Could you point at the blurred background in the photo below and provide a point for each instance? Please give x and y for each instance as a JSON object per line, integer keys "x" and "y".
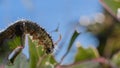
{"x": 84, "y": 16}
{"x": 67, "y": 14}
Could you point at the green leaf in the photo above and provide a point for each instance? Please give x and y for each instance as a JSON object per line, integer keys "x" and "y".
{"x": 111, "y": 6}
{"x": 74, "y": 36}
{"x": 116, "y": 59}
{"x": 13, "y": 43}
{"x": 35, "y": 53}
{"x": 86, "y": 53}
{"x": 38, "y": 56}
{"x": 20, "y": 62}
{"x": 8, "y": 46}
{"x": 73, "y": 39}
{"x": 48, "y": 62}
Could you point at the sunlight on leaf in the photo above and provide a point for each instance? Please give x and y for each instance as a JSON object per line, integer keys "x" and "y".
{"x": 116, "y": 59}
{"x": 86, "y": 53}
{"x": 112, "y": 6}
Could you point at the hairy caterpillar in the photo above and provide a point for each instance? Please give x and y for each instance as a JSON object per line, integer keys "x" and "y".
{"x": 22, "y": 27}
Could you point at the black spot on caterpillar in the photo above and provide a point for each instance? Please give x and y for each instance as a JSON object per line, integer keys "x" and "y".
{"x": 23, "y": 27}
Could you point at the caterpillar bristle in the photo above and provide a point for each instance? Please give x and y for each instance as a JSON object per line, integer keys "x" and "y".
{"x": 22, "y": 27}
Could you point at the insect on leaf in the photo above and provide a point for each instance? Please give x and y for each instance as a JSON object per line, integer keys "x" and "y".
{"x": 12, "y": 41}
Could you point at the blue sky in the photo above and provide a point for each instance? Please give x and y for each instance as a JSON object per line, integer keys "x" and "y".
{"x": 50, "y": 13}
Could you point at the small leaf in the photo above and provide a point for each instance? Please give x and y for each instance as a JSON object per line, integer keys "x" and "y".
{"x": 112, "y": 6}
{"x": 86, "y": 54}
{"x": 38, "y": 56}
{"x": 48, "y": 62}
{"x": 73, "y": 39}
{"x": 13, "y": 43}
{"x": 8, "y": 46}
{"x": 116, "y": 59}
{"x": 74, "y": 36}
{"x": 20, "y": 62}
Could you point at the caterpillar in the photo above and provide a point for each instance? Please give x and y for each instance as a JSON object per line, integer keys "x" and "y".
{"x": 23, "y": 27}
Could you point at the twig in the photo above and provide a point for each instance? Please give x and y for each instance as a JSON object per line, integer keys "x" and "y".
{"x": 100, "y": 60}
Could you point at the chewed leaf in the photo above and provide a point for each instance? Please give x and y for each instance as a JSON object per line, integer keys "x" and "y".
{"x": 38, "y": 57}
{"x": 35, "y": 53}
{"x": 86, "y": 54}
{"x": 10, "y": 49}
{"x": 14, "y": 36}
{"x": 20, "y": 62}
{"x": 48, "y": 62}
{"x": 14, "y": 54}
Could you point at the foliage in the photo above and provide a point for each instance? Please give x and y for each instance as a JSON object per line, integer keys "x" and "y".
{"x": 86, "y": 54}
{"x": 84, "y": 58}
{"x": 112, "y": 6}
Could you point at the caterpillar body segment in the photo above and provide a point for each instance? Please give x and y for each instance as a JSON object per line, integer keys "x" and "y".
{"x": 20, "y": 29}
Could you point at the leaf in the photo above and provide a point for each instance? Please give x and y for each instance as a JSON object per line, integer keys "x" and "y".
{"x": 20, "y": 62}
{"x": 74, "y": 36}
{"x": 48, "y": 62}
{"x": 86, "y": 54}
{"x": 12, "y": 42}
{"x": 73, "y": 39}
{"x": 35, "y": 53}
{"x": 38, "y": 56}
{"x": 112, "y": 6}
{"x": 9, "y": 45}
{"x": 116, "y": 59}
